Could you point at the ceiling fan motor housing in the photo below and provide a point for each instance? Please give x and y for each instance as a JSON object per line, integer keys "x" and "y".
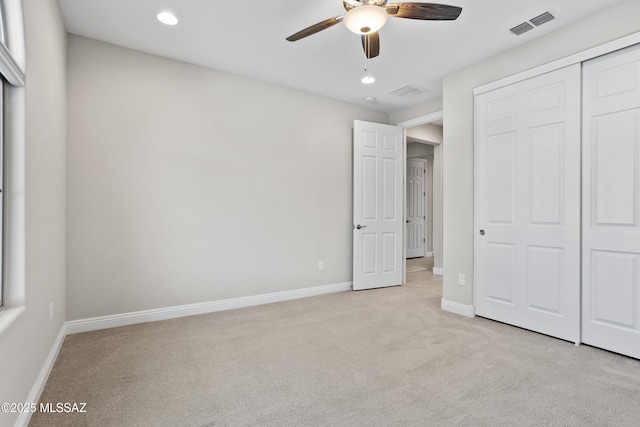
{"x": 366, "y": 19}
{"x": 350, "y": 4}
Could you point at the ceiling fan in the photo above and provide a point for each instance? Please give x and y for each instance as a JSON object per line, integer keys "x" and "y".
{"x": 366, "y": 17}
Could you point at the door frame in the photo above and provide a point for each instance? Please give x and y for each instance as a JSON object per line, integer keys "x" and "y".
{"x": 420, "y": 120}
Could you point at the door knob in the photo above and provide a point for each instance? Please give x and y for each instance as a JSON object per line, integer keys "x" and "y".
{"x": 360, "y": 226}
{"x": 481, "y": 232}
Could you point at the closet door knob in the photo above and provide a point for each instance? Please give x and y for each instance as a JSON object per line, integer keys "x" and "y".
{"x": 481, "y": 232}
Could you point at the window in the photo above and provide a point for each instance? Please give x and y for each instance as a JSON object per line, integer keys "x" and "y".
{"x": 2, "y": 216}
{"x": 3, "y": 38}
{"x": 11, "y": 159}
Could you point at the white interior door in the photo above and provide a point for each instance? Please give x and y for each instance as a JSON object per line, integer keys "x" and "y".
{"x": 611, "y": 197}
{"x": 377, "y": 199}
{"x": 416, "y": 188}
{"x": 527, "y": 249}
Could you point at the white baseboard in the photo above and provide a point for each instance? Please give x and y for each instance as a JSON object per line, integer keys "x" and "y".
{"x": 437, "y": 271}
{"x": 428, "y": 254}
{"x": 112, "y": 321}
{"x": 454, "y": 307}
{"x": 43, "y": 376}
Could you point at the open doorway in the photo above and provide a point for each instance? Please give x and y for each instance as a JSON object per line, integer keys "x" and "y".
{"x": 423, "y": 140}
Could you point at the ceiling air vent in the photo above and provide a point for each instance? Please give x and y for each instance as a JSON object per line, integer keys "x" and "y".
{"x": 529, "y": 25}
{"x": 408, "y": 91}
{"x": 542, "y": 19}
{"x": 521, "y": 29}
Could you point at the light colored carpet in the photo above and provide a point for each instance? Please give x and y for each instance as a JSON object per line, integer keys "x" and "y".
{"x": 387, "y": 357}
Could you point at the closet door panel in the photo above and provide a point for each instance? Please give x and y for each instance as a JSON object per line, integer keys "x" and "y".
{"x": 528, "y": 204}
{"x": 546, "y": 175}
{"x": 501, "y": 182}
{"x": 614, "y": 148}
{"x": 611, "y": 202}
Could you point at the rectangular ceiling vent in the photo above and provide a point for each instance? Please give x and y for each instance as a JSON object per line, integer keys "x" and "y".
{"x": 542, "y": 19}
{"x": 408, "y": 91}
{"x": 529, "y": 25}
{"x": 521, "y": 29}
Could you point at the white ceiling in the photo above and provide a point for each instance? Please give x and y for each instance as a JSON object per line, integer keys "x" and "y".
{"x": 247, "y": 37}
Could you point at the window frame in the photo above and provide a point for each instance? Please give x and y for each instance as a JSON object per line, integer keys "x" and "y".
{"x": 12, "y": 119}
{"x": 3, "y": 40}
{"x": 2, "y": 188}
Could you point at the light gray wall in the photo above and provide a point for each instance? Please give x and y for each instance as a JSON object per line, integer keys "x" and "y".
{"x": 438, "y": 213}
{"x": 26, "y": 343}
{"x": 426, "y": 132}
{"x": 422, "y": 109}
{"x": 418, "y": 149}
{"x": 429, "y": 202}
{"x": 615, "y": 22}
{"x": 189, "y": 185}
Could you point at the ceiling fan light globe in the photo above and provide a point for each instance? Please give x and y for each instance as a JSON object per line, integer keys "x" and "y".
{"x": 365, "y": 19}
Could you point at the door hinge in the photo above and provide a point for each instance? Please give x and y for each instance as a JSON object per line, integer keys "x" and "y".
{"x": 424, "y": 240}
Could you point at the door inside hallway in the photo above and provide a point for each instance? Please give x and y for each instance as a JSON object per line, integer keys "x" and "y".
{"x": 415, "y": 235}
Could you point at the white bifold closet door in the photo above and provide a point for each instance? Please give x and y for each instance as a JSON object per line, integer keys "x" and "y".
{"x": 528, "y": 204}
{"x": 611, "y": 202}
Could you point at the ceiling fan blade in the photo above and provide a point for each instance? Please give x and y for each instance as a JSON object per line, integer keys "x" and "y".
{"x": 371, "y": 44}
{"x": 315, "y": 28}
{"x": 425, "y": 11}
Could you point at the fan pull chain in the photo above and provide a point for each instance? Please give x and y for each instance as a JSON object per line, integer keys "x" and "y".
{"x": 368, "y": 78}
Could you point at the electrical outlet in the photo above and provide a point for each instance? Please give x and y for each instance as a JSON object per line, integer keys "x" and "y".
{"x": 321, "y": 265}
{"x": 50, "y": 311}
{"x": 461, "y": 279}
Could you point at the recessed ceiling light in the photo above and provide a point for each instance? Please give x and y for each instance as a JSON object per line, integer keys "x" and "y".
{"x": 368, "y": 79}
{"x": 167, "y": 18}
